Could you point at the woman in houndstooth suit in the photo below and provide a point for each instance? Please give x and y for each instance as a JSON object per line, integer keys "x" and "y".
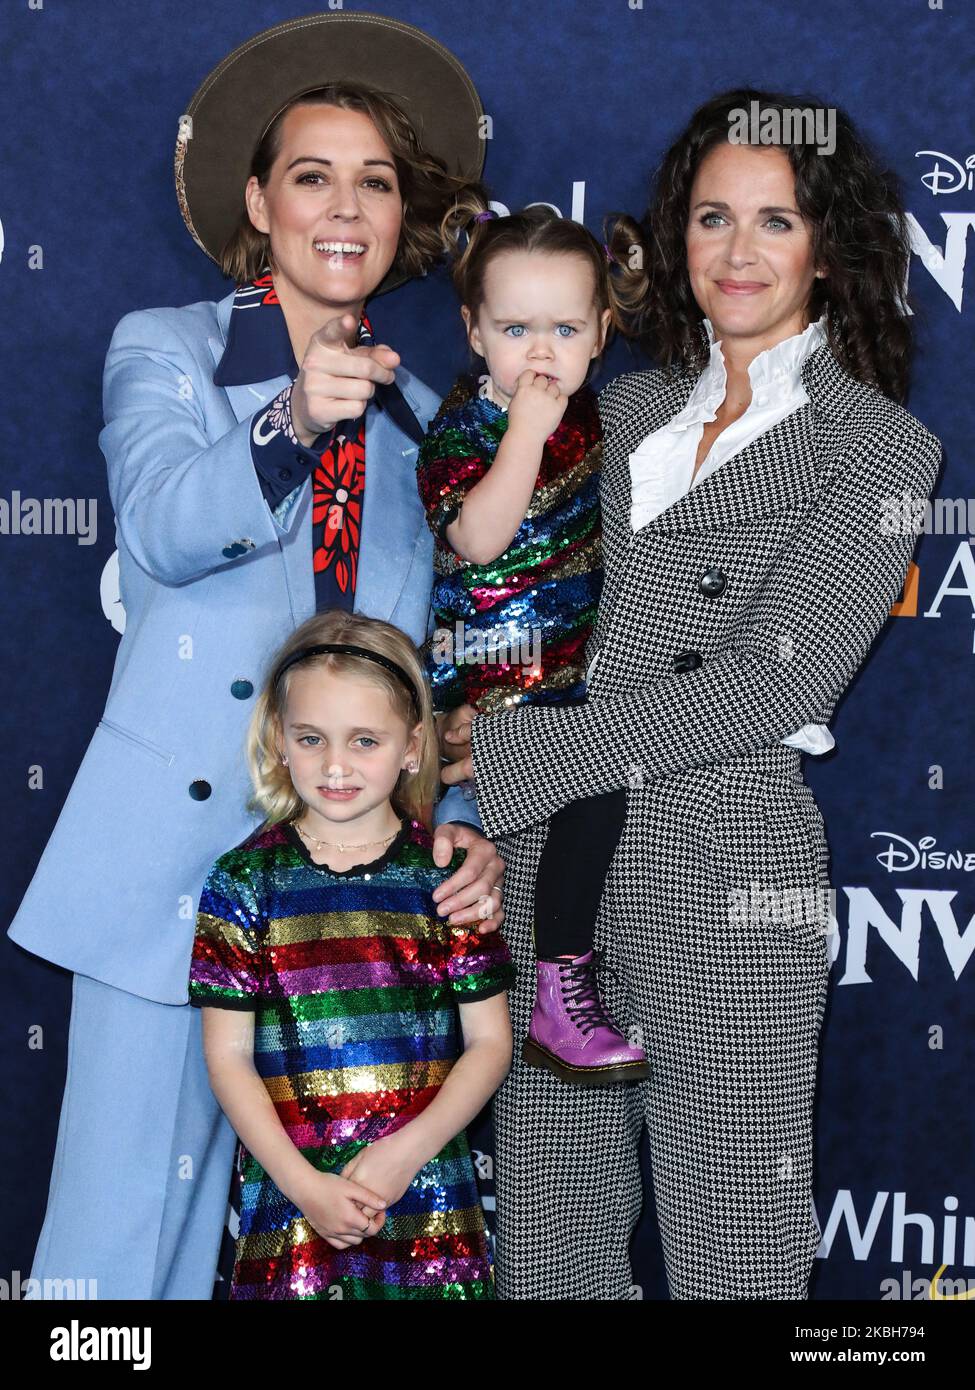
{"x": 739, "y": 601}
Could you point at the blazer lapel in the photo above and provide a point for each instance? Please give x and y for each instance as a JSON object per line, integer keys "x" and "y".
{"x": 392, "y": 517}
{"x": 779, "y": 470}
{"x": 244, "y": 400}
{"x": 658, "y": 404}
{"x": 391, "y": 399}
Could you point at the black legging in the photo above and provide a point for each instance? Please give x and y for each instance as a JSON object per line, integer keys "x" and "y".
{"x": 572, "y": 871}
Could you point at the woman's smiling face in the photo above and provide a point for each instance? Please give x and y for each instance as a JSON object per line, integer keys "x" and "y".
{"x": 749, "y": 251}
{"x": 331, "y": 207}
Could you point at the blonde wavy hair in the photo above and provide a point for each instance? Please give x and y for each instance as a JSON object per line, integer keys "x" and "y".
{"x": 274, "y": 794}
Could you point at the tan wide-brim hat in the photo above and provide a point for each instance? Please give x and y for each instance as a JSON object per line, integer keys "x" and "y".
{"x": 237, "y": 101}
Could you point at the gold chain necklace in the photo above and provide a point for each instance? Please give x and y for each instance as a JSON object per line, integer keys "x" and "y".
{"x": 328, "y": 844}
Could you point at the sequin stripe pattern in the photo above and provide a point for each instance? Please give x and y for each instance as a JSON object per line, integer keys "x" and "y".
{"x": 514, "y": 629}
{"x": 464, "y": 436}
{"x": 429, "y": 1249}
{"x": 492, "y": 687}
{"x": 227, "y": 961}
{"x": 354, "y": 982}
{"x": 571, "y": 519}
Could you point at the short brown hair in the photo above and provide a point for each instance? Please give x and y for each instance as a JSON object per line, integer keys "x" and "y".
{"x": 427, "y": 189}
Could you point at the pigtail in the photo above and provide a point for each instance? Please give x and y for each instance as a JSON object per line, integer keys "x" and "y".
{"x": 470, "y": 204}
{"x": 471, "y": 213}
{"x": 628, "y": 250}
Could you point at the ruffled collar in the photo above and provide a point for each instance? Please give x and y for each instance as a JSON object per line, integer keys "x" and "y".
{"x": 774, "y": 373}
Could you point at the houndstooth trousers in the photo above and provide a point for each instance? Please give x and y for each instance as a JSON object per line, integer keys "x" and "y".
{"x": 728, "y": 1005}
{"x": 735, "y": 616}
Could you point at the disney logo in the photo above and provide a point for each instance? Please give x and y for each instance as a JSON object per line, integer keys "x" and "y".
{"x": 923, "y": 855}
{"x": 951, "y": 179}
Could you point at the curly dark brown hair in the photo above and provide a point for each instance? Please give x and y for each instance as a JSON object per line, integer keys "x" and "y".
{"x": 859, "y": 231}
{"x": 426, "y": 188}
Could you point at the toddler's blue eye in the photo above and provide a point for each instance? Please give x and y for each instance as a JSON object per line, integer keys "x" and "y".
{"x": 569, "y": 330}
{"x": 515, "y": 329}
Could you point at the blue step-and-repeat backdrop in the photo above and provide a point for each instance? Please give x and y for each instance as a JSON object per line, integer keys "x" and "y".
{"x": 585, "y": 96}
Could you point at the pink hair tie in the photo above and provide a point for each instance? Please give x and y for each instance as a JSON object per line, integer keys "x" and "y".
{"x": 485, "y": 216}
{"x": 609, "y": 254}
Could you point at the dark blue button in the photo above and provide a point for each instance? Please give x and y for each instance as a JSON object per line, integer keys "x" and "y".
{"x": 713, "y": 582}
{"x": 200, "y": 790}
{"x": 688, "y": 661}
{"x": 241, "y": 690}
{"x": 232, "y": 551}
{"x": 284, "y": 473}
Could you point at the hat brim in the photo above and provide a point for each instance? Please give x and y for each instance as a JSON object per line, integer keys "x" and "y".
{"x": 235, "y": 103}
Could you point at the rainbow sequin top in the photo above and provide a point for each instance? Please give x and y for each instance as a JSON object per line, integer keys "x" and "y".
{"x": 354, "y": 980}
{"x": 515, "y": 629}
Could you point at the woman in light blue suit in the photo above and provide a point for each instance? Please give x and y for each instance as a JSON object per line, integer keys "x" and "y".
{"x": 209, "y": 428}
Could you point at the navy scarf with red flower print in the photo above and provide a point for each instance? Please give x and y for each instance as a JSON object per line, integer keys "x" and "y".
{"x": 338, "y": 485}
{"x": 258, "y": 348}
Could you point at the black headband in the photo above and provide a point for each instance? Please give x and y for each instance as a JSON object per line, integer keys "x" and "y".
{"x": 345, "y": 649}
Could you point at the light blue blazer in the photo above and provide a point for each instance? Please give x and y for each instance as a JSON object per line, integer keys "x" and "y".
{"x": 212, "y": 582}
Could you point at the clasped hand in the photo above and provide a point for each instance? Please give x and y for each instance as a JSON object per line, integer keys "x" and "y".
{"x": 347, "y": 1208}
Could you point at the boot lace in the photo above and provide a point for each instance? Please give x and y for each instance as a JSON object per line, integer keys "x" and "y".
{"x": 581, "y": 994}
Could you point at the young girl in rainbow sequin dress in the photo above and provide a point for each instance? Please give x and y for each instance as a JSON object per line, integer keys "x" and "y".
{"x": 350, "y": 1032}
{"x": 509, "y": 477}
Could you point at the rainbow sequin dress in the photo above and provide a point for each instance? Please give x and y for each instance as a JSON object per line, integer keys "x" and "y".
{"x": 514, "y": 629}
{"x": 353, "y": 979}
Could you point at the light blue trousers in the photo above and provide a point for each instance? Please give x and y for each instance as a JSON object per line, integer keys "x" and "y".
{"x": 141, "y": 1173}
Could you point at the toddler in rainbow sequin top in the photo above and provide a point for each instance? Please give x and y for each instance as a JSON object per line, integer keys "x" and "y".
{"x": 509, "y": 477}
{"x": 350, "y": 1032}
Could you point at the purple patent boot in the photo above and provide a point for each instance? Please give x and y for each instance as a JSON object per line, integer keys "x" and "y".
{"x": 570, "y": 1032}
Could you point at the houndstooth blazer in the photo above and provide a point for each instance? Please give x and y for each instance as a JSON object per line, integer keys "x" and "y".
{"x": 736, "y": 615}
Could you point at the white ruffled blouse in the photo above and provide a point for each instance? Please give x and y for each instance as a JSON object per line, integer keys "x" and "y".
{"x": 661, "y": 467}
